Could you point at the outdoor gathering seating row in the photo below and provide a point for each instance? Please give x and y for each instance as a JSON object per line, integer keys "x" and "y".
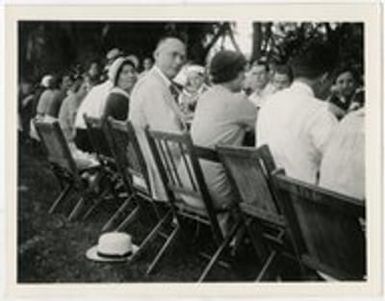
{"x": 283, "y": 218}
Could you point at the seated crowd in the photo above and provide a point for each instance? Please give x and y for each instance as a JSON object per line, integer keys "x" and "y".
{"x": 309, "y": 112}
{"x": 316, "y": 140}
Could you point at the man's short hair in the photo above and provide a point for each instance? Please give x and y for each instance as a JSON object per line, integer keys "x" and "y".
{"x": 226, "y": 65}
{"x": 313, "y": 60}
{"x": 164, "y": 38}
{"x": 284, "y": 69}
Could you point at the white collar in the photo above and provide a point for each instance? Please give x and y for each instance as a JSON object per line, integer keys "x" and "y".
{"x": 302, "y": 88}
{"x": 161, "y": 74}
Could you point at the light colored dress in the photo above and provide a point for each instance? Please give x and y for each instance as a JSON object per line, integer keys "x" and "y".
{"x": 221, "y": 117}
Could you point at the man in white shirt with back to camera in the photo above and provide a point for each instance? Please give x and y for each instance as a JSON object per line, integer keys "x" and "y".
{"x": 294, "y": 122}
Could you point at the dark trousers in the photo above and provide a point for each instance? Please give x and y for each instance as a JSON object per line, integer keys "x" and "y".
{"x": 82, "y": 140}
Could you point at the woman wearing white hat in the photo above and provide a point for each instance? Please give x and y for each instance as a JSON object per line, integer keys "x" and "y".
{"x": 193, "y": 88}
{"x": 123, "y": 76}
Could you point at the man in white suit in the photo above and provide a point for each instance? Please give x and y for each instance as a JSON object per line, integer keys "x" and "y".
{"x": 153, "y": 103}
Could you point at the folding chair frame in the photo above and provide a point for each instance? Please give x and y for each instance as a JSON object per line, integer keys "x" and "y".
{"x": 96, "y": 130}
{"x": 162, "y": 146}
{"x": 129, "y": 167}
{"x": 264, "y": 209}
{"x": 299, "y": 200}
{"x": 64, "y": 167}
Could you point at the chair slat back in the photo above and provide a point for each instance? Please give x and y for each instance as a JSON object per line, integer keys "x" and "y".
{"x": 178, "y": 163}
{"x": 97, "y": 137}
{"x": 249, "y": 172}
{"x": 56, "y": 146}
{"x": 128, "y": 155}
{"x": 329, "y": 233}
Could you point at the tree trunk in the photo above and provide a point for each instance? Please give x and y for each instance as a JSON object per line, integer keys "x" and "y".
{"x": 257, "y": 41}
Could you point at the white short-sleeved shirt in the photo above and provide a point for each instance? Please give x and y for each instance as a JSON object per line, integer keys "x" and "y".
{"x": 296, "y": 126}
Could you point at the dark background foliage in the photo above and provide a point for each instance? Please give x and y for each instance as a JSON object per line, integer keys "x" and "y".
{"x": 48, "y": 46}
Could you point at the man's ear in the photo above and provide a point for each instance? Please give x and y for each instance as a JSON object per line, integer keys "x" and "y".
{"x": 155, "y": 54}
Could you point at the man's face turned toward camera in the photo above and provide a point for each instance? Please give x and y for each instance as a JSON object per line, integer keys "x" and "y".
{"x": 170, "y": 56}
{"x": 259, "y": 77}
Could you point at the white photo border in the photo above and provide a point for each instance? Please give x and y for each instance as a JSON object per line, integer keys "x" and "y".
{"x": 368, "y": 13}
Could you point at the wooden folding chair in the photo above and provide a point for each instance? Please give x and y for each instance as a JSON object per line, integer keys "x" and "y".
{"x": 108, "y": 177}
{"x": 132, "y": 167}
{"x": 97, "y": 136}
{"x": 248, "y": 170}
{"x": 326, "y": 227}
{"x": 64, "y": 167}
{"x": 173, "y": 153}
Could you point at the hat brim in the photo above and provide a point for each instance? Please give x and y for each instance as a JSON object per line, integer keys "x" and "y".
{"x": 92, "y": 254}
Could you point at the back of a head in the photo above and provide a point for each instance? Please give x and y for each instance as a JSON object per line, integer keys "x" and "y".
{"x": 313, "y": 60}
{"x": 226, "y": 65}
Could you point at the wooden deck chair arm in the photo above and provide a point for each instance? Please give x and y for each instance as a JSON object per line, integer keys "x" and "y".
{"x": 206, "y": 154}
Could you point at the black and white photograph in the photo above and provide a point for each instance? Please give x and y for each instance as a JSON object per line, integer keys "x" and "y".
{"x": 180, "y": 150}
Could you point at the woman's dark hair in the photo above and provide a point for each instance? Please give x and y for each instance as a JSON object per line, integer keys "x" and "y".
{"x": 124, "y": 63}
{"x": 346, "y": 69}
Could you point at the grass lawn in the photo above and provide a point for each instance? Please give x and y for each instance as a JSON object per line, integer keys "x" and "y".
{"x": 51, "y": 249}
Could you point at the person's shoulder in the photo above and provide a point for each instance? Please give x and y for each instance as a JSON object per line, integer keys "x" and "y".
{"x": 46, "y": 93}
{"x": 354, "y": 119}
{"x": 207, "y": 93}
{"x": 68, "y": 100}
{"x": 277, "y": 99}
{"x": 316, "y": 107}
{"x": 317, "y": 112}
{"x": 148, "y": 85}
{"x": 114, "y": 96}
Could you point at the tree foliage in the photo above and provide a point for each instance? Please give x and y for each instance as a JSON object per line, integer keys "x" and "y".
{"x": 56, "y": 46}
{"x": 279, "y": 41}
{"x": 51, "y": 47}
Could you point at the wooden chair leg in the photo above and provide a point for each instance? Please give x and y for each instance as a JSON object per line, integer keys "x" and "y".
{"x": 62, "y": 195}
{"x": 257, "y": 242}
{"x": 269, "y": 269}
{"x": 218, "y": 252}
{"x": 108, "y": 225}
{"x": 153, "y": 205}
{"x": 151, "y": 236}
{"x": 128, "y": 219}
{"x": 163, "y": 250}
{"x": 96, "y": 203}
{"x": 77, "y": 209}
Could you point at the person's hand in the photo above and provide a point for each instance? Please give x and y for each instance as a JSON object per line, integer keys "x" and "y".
{"x": 334, "y": 89}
